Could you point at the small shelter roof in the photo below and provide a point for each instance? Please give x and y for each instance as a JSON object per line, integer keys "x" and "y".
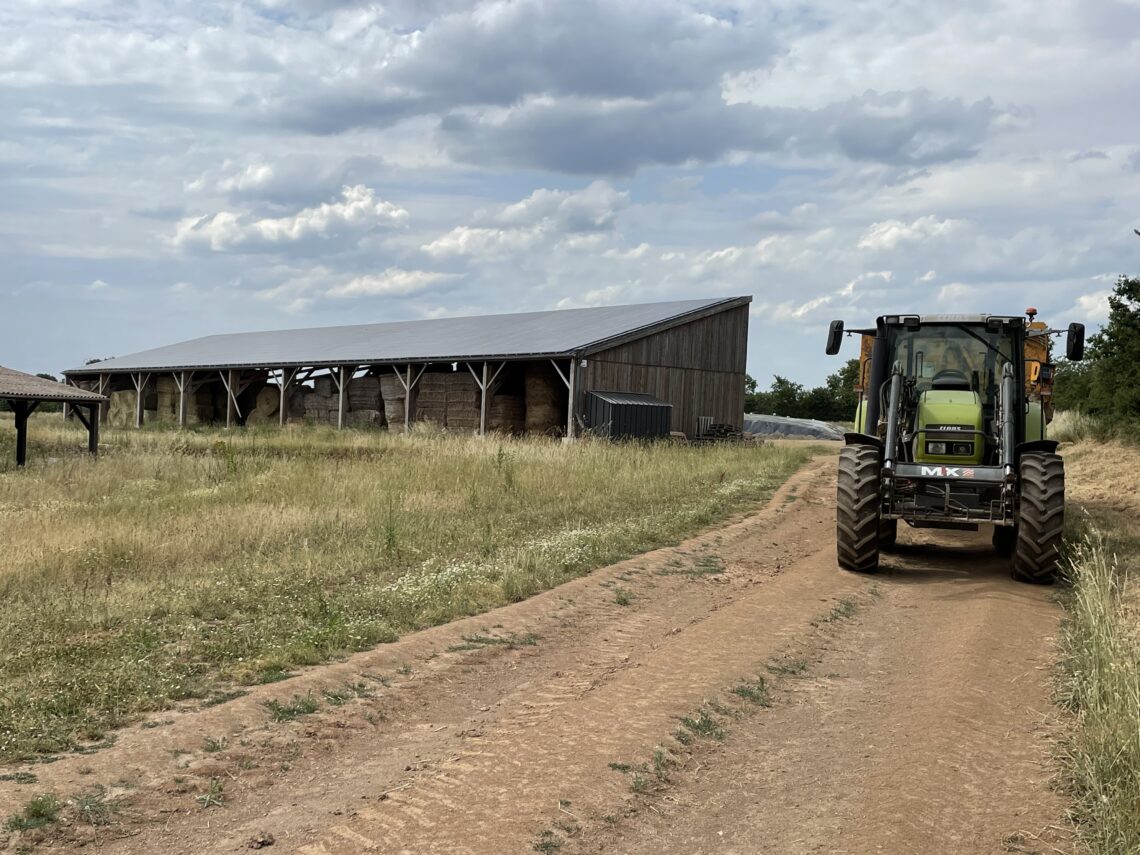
{"x": 18, "y": 386}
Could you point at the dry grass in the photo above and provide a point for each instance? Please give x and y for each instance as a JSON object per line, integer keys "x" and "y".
{"x": 181, "y": 563}
{"x": 1101, "y": 643}
{"x": 1071, "y": 426}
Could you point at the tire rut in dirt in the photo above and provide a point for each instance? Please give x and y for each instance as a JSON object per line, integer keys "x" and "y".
{"x": 857, "y": 509}
{"x": 1041, "y": 519}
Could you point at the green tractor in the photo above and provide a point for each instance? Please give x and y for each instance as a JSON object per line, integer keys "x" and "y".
{"x": 950, "y": 434}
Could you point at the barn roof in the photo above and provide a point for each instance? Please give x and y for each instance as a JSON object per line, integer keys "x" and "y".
{"x": 18, "y": 386}
{"x": 558, "y": 333}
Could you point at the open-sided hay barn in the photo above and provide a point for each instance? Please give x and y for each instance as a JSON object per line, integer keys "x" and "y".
{"x": 517, "y": 372}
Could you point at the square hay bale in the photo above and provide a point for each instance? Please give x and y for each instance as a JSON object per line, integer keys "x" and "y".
{"x": 390, "y": 387}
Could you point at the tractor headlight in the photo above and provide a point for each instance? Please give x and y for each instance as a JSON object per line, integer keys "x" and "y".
{"x": 935, "y": 448}
{"x": 964, "y": 448}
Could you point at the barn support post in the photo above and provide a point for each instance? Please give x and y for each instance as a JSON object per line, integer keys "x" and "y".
{"x": 22, "y": 410}
{"x": 573, "y": 384}
{"x": 483, "y": 400}
{"x": 287, "y": 378}
{"x": 228, "y": 382}
{"x": 486, "y": 386}
{"x": 408, "y": 401}
{"x": 91, "y": 422}
{"x": 571, "y": 381}
{"x": 183, "y": 379}
{"x": 409, "y": 385}
{"x": 140, "y": 380}
{"x": 342, "y": 378}
{"x": 105, "y": 407}
{"x": 93, "y": 430}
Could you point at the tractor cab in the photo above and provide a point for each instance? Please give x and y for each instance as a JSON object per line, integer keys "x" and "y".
{"x": 951, "y": 367}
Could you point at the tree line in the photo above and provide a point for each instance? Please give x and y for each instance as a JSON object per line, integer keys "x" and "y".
{"x": 834, "y": 401}
{"x": 1106, "y": 383}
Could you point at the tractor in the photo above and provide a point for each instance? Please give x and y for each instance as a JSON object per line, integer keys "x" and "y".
{"x": 950, "y": 433}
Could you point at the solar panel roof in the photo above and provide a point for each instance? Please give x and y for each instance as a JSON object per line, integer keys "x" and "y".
{"x": 528, "y": 334}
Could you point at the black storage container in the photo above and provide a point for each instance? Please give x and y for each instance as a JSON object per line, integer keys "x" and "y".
{"x": 628, "y": 415}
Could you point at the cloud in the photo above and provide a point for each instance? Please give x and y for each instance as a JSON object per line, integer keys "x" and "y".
{"x": 392, "y": 282}
{"x": 584, "y": 136}
{"x": 358, "y": 211}
{"x": 592, "y": 209}
{"x": 591, "y": 49}
{"x": 484, "y": 242}
{"x": 890, "y": 233}
{"x": 959, "y": 293}
{"x": 1091, "y": 308}
{"x": 544, "y": 217}
{"x": 254, "y": 175}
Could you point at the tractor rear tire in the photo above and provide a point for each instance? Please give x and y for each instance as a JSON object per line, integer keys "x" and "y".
{"x": 1004, "y": 539}
{"x": 888, "y": 534}
{"x": 857, "y": 509}
{"x": 1040, "y": 519}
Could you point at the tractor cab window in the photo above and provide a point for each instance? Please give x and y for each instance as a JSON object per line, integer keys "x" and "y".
{"x": 951, "y": 356}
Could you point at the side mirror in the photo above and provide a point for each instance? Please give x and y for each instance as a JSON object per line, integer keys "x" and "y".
{"x": 1075, "y": 343}
{"x": 835, "y": 337}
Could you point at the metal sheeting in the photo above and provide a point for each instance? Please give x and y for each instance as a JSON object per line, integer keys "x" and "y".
{"x": 554, "y": 333}
{"x": 628, "y": 415}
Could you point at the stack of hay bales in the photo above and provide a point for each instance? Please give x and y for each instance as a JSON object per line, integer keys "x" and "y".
{"x": 199, "y": 407}
{"x": 364, "y": 393}
{"x": 168, "y": 397}
{"x": 322, "y": 402}
{"x": 366, "y": 418}
{"x": 366, "y": 409}
{"x": 463, "y": 400}
{"x": 507, "y": 414}
{"x": 394, "y": 400}
{"x": 545, "y": 393}
{"x": 431, "y": 399}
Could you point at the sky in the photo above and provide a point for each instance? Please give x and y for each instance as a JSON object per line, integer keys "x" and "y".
{"x": 176, "y": 169}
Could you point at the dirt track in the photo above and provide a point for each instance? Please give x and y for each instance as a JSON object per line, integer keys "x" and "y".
{"x": 909, "y": 713}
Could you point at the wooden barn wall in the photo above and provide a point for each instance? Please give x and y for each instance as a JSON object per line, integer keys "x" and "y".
{"x": 698, "y": 367}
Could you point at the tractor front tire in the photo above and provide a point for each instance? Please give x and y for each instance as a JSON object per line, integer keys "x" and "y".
{"x": 1040, "y": 519}
{"x": 857, "y": 509}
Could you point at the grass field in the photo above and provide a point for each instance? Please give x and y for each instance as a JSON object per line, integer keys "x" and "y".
{"x": 1101, "y": 645}
{"x": 180, "y": 564}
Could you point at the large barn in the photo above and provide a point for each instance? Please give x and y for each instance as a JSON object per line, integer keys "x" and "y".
{"x": 531, "y": 372}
